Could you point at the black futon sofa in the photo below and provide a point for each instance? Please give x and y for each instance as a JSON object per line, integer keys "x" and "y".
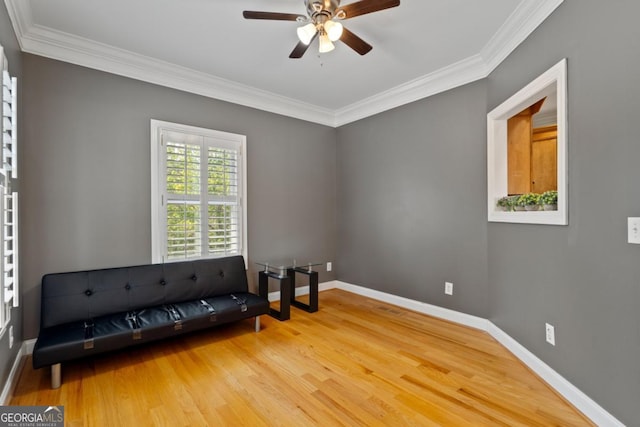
{"x": 91, "y": 312}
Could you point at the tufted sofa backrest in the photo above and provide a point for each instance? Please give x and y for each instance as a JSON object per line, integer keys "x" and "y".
{"x": 82, "y": 295}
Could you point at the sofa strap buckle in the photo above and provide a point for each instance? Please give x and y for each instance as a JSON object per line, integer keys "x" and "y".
{"x": 210, "y": 309}
{"x": 88, "y": 334}
{"x": 132, "y": 317}
{"x": 177, "y": 321}
{"x": 242, "y": 302}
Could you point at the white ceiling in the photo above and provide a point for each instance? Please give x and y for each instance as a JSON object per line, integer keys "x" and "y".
{"x": 206, "y": 47}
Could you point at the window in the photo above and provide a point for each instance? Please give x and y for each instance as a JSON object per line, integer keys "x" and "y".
{"x": 198, "y": 193}
{"x": 9, "y": 292}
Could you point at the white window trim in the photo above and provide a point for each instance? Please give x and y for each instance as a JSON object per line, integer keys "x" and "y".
{"x": 497, "y": 119}
{"x": 157, "y": 219}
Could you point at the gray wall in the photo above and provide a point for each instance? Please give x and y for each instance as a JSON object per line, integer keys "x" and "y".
{"x": 401, "y": 197}
{"x": 412, "y": 200}
{"x": 85, "y": 199}
{"x": 412, "y": 206}
{"x": 12, "y": 52}
{"x": 584, "y": 278}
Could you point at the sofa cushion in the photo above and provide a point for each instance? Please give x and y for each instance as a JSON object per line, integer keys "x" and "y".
{"x": 78, "y": 339}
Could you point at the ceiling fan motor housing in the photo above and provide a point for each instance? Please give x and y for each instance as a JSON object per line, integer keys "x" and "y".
{"x": 321, "y": 7}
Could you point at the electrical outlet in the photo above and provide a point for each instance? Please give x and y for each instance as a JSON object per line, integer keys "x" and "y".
{"x": 633, "y": 230}
{"x": 329, "y": 266}
{"x": 550, "y": 333}
{"x": 11, "y": 336}
{"x": 448, "y": 288}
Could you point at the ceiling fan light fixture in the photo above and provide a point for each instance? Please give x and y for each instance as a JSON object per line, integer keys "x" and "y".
{"x": 333, "y": 30}
{"x": 325, "y": 44}
{"x": 322, "y": 21}
{"x": 306, "y": 33}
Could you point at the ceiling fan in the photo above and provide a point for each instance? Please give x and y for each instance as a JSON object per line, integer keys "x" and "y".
{"x": 321, "y": 21}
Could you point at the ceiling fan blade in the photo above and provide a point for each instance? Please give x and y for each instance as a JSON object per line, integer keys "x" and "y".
{"x": 275, "y": 16}
{"x": 301, "y": 48}
{"x": 355, "y": 42}
{"x": 363, "y": 7}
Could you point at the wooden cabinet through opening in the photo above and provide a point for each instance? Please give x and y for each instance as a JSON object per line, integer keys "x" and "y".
{"x": 531, "y": 154}
{"x": 544, "y": 159}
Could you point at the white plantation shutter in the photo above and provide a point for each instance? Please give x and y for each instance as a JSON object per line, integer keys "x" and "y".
{"x": 8, "y": 267}
{"x": 9, "y": 125}
{"x": 200, "y": 186}
{"x": 182, "y": 201}
{"x": 224, "y": 231}
{"x": 5, "y": 311}
{"x": 9, "y": 292}
{"x": 11, "y": 245}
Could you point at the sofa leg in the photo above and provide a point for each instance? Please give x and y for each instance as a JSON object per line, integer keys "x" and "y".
{"x": 257, "y": 323}
{"x": 55, "y": 375}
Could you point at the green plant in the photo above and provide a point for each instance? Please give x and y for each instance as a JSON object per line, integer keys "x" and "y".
{"x": 507, "y": 202}
{"x": 549, "y": 198}
{"x": 528, "y": 199}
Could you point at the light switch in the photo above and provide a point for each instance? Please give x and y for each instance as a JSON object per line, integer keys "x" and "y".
{"x": 634, "y": 230}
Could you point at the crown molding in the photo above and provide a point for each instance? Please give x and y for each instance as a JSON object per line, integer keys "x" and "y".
{"x": 76, "y": 50}
{"x": 21, "y": 18}
{"x": 521, "y": 23}
{"x": 65, "y": 47}
{"x": 452, "y": 76}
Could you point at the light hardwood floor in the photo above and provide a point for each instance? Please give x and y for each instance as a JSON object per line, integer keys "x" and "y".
{"x": 356, "y": 362}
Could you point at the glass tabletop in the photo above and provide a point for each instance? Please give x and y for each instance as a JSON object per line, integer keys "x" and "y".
{"x": 282, "y": 265}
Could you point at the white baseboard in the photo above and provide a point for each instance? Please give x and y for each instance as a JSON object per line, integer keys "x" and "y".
{"x": 13, "y": 377}
{"x": 28, "y": 346}
{"x": 304, "y": 290}
{"x": 419, "y": 306}
{"x": 584, "y": 403}
{"x": 581, "y": 401}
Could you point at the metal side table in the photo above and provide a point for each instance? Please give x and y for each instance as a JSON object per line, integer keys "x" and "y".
{"x": 285, "y": 274}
